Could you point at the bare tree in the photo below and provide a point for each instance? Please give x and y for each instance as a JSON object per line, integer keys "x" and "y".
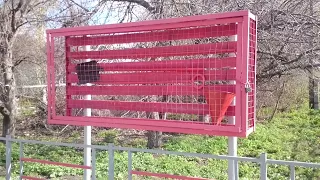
{"x": 288, "y": 35}
{"x": 15, "y": 16}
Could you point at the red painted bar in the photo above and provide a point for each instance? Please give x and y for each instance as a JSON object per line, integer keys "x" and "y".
{"x": 186, "y": 124}
{"x": 245, "y": 57}
{"x": 31, "y": 178}
{"x": 55, "y": 163}
{"x": 146, "y": 90}
{"x": 49, "y": 60}
{"x": 105, "y": 122}
{"x": 67, "y": 50}
{"x": 226, "y": 16}
{"x": 213, "y": 31}
{"x": 161, "y": 175}
{"x": 51, "y": 78}
{"x": 159, "y": 77}
{"x": 167, "y": 51}
{"x": 115, "y": 28}
{"x": 164, "y": 65}
{"x": 187, "y": 108}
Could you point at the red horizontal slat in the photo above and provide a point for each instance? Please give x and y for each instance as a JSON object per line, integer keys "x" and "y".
{"x": 161, "y": 175}
{"x": 55, "y": 163}
{"x": 213, "y": 31}
{"x": 31, "y": 178}
{"x": 187, "y": 108}
{"x": 164, "y": 65}
{"x": 149, "y": 124}
{"x": 78, "y": 122}
{"x": 159, "y": 77}
{"x": 145, "y": 90}
{"x": 186, "y": 50}
{"x": 145, "y": 26}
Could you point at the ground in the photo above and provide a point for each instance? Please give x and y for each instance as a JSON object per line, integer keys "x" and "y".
{"x": 292, "y": 135}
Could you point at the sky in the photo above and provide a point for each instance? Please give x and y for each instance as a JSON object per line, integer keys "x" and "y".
{"x": 115, "y": 11}
{"x": 110, "y": 13}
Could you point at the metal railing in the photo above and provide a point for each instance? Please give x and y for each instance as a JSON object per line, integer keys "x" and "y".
{"x": 262, "y": 160}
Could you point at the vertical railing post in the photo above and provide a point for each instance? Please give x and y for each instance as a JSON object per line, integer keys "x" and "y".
{"x": 20, "y": 160}
{"x": 129, "y": 165}
{"x": 93, "y": 167}
{"x": 292, "y": 172}
{"x": 236, "y": 169}
{"x": 111, "y": 162}
{"x": 8, "y": 157}
{"x": 263, "y": 167}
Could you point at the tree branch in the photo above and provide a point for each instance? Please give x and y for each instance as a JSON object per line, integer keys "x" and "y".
{"x": 127, "y": 11}
{"x": 82, "y": 7}
{"x": 301, "y": 55}
{"x": 278, "y": 101}
{"x": 142, "y": 3}
{"x": 4, "y": 111}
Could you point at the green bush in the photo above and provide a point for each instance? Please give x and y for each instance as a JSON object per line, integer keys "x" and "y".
{"x": 289, "y": 136}
{"x": 108, "y": 136}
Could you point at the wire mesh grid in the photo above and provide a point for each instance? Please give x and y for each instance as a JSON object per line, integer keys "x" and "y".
{"x": 186, "y": 74}
{"x": 164, "y": 74}
{"x": 252, "y": 73}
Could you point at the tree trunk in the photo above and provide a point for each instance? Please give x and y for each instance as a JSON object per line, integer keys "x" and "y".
{"x": 313, "y": 92}
{"x": 155, "y": 137}
{"x": 313, "y": 84}
{"x": 9, "y": 107}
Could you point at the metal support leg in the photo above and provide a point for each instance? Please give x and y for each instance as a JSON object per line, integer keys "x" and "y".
{"x": 129, "y": 165}
{"x": 232, "y": 151}
{"x": 263, "y": 166}
{"x": 21, "y": 162}
{"x": 93, "y": 169}
{"x": 111, "y": 162}
{"x": 232, "y": 141}
{"x": 8, "y": 157}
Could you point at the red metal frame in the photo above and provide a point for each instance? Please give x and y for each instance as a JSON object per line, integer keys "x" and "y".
{"x": 242, "y": 24}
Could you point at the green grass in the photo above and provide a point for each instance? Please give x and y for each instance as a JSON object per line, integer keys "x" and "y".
{"x": 289, "y": 136}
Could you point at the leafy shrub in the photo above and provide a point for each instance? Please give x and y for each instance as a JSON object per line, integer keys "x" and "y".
{"x": 289, "y": 136}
